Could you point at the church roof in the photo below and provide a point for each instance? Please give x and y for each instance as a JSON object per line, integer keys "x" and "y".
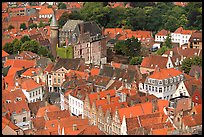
{"x": 54, "y": 21}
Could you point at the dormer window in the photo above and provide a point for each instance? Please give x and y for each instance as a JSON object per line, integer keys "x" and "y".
{"x": 8, "y": 101}
{"x": 166, "y": 81}
{"x": 160, "y": 82}
{"x": 181, "y": 77}
{"x": 171, "y": 80}
{"x": 153, "y": 81}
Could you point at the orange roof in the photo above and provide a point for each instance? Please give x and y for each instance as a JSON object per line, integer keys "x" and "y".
{"x": 6, "y": 40}
{"x": 187, "y": 32}
{"x": 14, "y": 105}
{"x": 116, "y": 65}
{"x": 7, "y": 122}
{"x": 46, "y": 11}
{"x": 20, "y": 63}
{"x": 130, "y": 92}
{"x": 13, "y": 70}
{"x": 179, "y": 30}
{"x": 103, "y": 94}
{"x": 4, "y": 15}
{"x": 198, "y": 108}
{"x": 4, "y": 53}
{"x": 30, "y": 84}
{"x": 191, "y": 121}
{"x": 16, "y": 9}
{"x": 4, "y": 5}
{"x": 95, "y": 71}
{"x": 165, "y": 73}
{"x": 50, "y": 108}
{"x": 31, "y": 72}
{"x": 162, "y": 131}
{"x": 75, "y": 72}
{"x": 163, "y": 32}
{"x": 49, "y": 67}
{"x": 154, "y": 60}
{"x": 20, "y": 19}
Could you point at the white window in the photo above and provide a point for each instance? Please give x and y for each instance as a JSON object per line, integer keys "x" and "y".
{"x": 171, "y": 80}
{"x": 166, "y": 81}
{"x": 160, "y": 82}
{"x": 160, "y": 90}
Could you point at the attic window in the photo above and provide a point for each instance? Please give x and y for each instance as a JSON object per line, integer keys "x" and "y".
{"x": 53, "y": 125}
{"x": 120, "y": 79}
{"x": 166, "y": 81}
{"x": 18, "y": 99}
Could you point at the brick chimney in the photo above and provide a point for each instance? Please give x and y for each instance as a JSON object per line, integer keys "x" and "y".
{"x": 108, "y": 98}
{"x": 74, "y": 127}
{"x": 98, "y": 96}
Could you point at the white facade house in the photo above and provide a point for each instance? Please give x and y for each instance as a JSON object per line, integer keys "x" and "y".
{"x": 76, "y": 106}
{"x": 64, "y": 102}
{"x": 123, "y": 127}
{"x": 162, "y": 83}
{"x": 45, "y": 16}
{"x": 181, "y": 36}
{"x": 161, "y": 35}
{"x": 32, "y": 90}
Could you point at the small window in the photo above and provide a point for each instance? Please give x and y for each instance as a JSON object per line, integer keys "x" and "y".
{"x": 59, "y": 75}
{"x": 58, "y": 80}
{"x": 36, "y": 93}
{"x": 15, "y": 121}
{"x": 30, "y": 95}
{"x": 33, "y": 94}
{"x": 160, "y": 90}
{"x": 196, "y": 97}
{"x": 166, "y": 81}
{"x": 156, "y": 89}
{"x": 153, "y": 88}
{"x": 24, "y": 119}
{"x": 160, "y": 82}
{"x": 171, "y": 80}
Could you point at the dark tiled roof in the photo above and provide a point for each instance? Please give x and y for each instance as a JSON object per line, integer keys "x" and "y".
{"x": 43, "y": 62}
{"x": 34, "y": 106}
{"x": 67, "y": 64}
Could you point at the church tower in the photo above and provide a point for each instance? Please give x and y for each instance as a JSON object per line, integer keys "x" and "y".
{"x": 54, "y": 35}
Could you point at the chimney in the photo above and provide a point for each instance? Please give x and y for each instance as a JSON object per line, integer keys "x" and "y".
{"x": 74, "y": 127}
{"x": 108, "y": 98}
{"x": 154, "y": 105}
{"x": 196, "y": 74}
{"x": 98, "y": 96}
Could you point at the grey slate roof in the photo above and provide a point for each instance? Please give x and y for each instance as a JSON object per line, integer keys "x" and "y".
{"x": 67, "y": 64}
{"x": 71, "y": 24}
{"x": 43, "y": 62}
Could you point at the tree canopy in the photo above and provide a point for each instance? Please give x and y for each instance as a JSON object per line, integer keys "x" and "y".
{"x": 188, "y": 62}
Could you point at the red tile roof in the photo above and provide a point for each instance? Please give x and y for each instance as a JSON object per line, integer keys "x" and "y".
{"x": 198, "y": 109}
{"x": 49, "y": 67}
{"x": 6, "y": 122}
{"x": 94, "y": 96}
{"x": 20, "y": 63}
{"x": 14, "y": 105}
{"x": 163, "y": 32}
{"x": 165, "y": 73}
{"x": 115, "y": 65}
{"x": 192, "y": 121}
{"x": 31, "y": 72}
{"x": 95, "y": 71}
{"x": 154, "y": 60}
{"x": 4, "y": 53}
{"x": 50, "y": 108}
{"x": 58, "y": 114}
{"x": 19, "y": 19}
{"x": 30, "y": 84}
{"x": 46, "y": 11}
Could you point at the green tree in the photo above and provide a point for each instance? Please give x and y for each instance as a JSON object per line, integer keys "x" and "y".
{"x": 188, "y": 62}
{"x": 32, "y": 46}
{"x": 136, "y": 60}
{"x": 23, "y": 26}
{"x": 49, "y": 6}
{"x": 61, "y": 5}
{"x": 63, "y": 19}
{"x": 10, "y": 27}
{"x": 33, "y": 26}
{"x": 167, "y": 43}
{"x": 25, "y": 38}
{"x": 171, "y": 23}
{"x": 41, "y": 24}
{"x": 16, "y": 46}
{"x": 8, "y": 47}
{"x": 162, "y": 50}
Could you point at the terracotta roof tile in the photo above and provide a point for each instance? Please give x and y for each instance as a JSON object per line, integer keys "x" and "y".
{"x": 165, "y": 73}
{"x": 198, "y": 109}
{"x": 30, "y": 84}
{"x": 95, "y": 71}
{"x": 163, "y": 32}
{"x": 38, "y": 122}
{"x": 20, "y": 19}
{"x": 91, "y": 130}
{"x": 115, "y": 65}
{"x": 7, "y": 122}
{"x": 31, "y": 72}
{"x": 154, "y": 60}
{"x": 20, "y": 63}
{"x": 50, "y": 108}
{"x": 191, "y": 121}
{"x": 45, "y": 11}
{"x": 49, "y": 67}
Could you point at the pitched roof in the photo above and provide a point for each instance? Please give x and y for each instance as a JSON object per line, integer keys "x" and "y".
{"x": 91, "y": 130}
{"x": 165, "y": 73}
{"x": 20, "y": 63}
{"x": 38, "y": 123}
{"x": 4, "y": 53}
{"x": 28, "y": 55}
{"x": 50, "y": 108}
{"x": 58, "y": 114}
{"x": 189, "y": 83}
{"x": 30, "y": 84}
{"x": 19, "y": 19}
{"x": 67, "y": 64}
{"x": 191, "y": 121}
{"x": 31, "y": 72}
{"x": 15, "y": 105}
{"x": 154, "y": 60}
{"x": 95, "y": 71}
{"x": 34, "y": 106}
{"x": 198, "y": 109}
{"x": 6, "y": 122}
{"x": 81, "y": 91}
{"x": 94, "y": 96}
{"x": 163, "y": 32}
{"x": 46, "y": 11}
{"x": 196, "y": 36}
{"x": 115, "y": 65}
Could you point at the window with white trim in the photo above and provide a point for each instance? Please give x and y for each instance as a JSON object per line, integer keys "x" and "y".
{"x": 160, "y": 90}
